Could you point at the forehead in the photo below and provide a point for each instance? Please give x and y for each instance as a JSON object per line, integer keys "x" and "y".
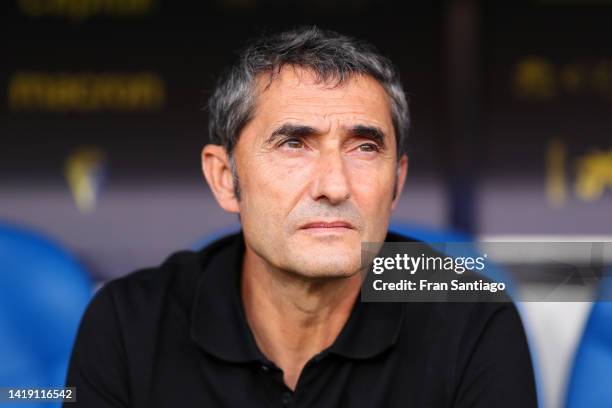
{"x": 298, "y": 94}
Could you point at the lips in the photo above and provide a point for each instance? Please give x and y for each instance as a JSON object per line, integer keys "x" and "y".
{"x": 326, "y": 224}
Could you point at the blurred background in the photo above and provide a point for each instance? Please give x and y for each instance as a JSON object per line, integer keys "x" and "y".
{"x": 102, "y": 124}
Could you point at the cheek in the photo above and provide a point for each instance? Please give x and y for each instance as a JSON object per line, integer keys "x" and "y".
{"x": 372, "y": 186}
{"x": 372, "y": 191}
{"x": 281, "y": 179}
{"x": 271, "y": 188}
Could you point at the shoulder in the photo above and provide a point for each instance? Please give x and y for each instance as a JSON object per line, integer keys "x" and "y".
{"x": 468, "y": 336}
{"x": 118, "y": 328}
{"x": 490, "y": 354}
{"x": 468, "y": 319}
{"x": 140, "y": 297}
{"x": 144, "y": 291}
{"x": 462, "y": 327}
{"x": 136, "y": 300}
{"x": 177, "y": 274}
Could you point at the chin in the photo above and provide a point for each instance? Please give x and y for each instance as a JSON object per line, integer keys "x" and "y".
{"x": 325, "y": 272}
{"x": 324, "y": 255}
{"x": 333, "y": 243}
{"x": 326, "y": 264}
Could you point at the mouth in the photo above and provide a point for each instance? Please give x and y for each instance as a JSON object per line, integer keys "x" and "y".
{"x": 327, "y": 227}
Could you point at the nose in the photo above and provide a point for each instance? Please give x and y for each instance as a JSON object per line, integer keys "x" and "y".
{"x": 330, "y": 181}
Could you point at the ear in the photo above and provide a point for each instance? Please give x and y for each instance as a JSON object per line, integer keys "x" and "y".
{"x": 218, "y": 174}
{"x": 402, "y": 171}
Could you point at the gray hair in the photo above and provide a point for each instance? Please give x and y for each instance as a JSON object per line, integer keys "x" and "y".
{"x": 329, "y": 55}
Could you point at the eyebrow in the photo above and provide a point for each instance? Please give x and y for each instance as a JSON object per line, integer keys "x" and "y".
{"x": 370, "y": 132}
{"x": 290, "y": 130}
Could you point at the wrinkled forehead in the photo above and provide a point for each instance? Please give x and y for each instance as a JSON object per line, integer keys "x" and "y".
{"x": 300, "y": 92}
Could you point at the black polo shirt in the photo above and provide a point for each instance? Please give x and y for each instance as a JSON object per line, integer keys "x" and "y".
{"x": 177, "y": 336}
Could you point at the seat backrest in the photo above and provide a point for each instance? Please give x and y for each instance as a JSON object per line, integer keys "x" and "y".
{"x": 43, "y": 293}
{"x": 590, "y": 382}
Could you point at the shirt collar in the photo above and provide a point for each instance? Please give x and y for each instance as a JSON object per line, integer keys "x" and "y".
{"x": 219, "y": 324}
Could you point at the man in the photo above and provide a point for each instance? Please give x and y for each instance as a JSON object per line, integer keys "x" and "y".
{"x": 308, "y": 132}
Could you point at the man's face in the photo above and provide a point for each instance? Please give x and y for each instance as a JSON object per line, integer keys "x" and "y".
{"x": 317, "y": 168}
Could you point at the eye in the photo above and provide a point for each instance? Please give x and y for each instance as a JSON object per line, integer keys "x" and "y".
{"x": 368, "y": 147}
{"x": 293, "y": 143}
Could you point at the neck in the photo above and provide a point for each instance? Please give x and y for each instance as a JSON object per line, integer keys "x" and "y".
{"x": 292, "y": 317}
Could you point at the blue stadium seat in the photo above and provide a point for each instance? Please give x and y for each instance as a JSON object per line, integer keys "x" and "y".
{"x": 213, "y": 236}
{"x": 590, "y": 383}
{"x": 43, "y": 293}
